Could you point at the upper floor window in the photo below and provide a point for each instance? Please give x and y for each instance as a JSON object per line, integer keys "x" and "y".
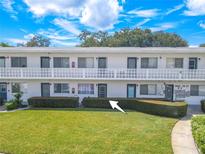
{"x": 18, "y": 62}
{"x": 174, "y": 62}
{"x": 2, "y": 61}
{"x": 85, "y": 62}
{"x": 132, "y": 62}
{"x": 61, "y": 62}
{"x": 193, "y": 63}
{"x": 85, "y": 88}
{"x": 149, "y": 62}
{"x": 61, "y": 88}
{"x": 148, "y": 89}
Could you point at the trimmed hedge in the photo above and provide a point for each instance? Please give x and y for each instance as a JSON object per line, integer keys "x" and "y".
{"x": 198, "y": 131}
{"x": 203, "y": 105}
{"x": 54, "y": 102}
{"x": 11, "y": 105}
{"x": 156, "y": 107}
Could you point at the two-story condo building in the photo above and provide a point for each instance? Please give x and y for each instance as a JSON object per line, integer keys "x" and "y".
{"x": 171, "y": 73}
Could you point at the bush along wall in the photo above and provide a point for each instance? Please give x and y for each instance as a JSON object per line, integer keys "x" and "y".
{"x": 11, "y": 105}
{"x": 54, "y": 102}
{"x": 156, "y": 107}
{"x": 203, "y": 105}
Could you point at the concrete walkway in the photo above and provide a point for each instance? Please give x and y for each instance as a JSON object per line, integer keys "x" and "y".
{"x": 2, "y": 108}
{"x": 182, "y": 139}
{"x": 19, "y": 109}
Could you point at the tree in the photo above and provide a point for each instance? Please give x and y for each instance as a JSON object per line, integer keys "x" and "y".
{"x": 37, "y": 41}
{"x": 131, "y": 38}
{"x": 3, "y": 44}
{"x": 202, "y": 45}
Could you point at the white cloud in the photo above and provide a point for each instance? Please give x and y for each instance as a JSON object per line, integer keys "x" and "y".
{"x": 16, "y": 40}
{"x": 176, "y": 8}
{"x": 163, "y": 27}
{"x": 67, "y": 25}
{"x": 142, "y": 22}
{"x": 64, "y": 43}
{"x": 23, "y": 30}
{"x": 8, "y": 6}
{"x": 55, "y": 35}
{"x": 44, "y": 7}
{"x": 193, "y": 46}
{"x": 145, "y": 13}
{"x": 100, "y": 14}
{"x": 195, "y": 7}
{"x": 59, "y": 38}
{"x": 202, "y": 24}
{"x": 29, "y": 36}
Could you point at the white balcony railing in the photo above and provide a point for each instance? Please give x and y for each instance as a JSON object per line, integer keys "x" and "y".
{"x": 99, "y": 74}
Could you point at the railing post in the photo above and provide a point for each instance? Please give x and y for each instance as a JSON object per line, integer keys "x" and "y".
{"x": 180, "y": 75}
{"x": 115, "y": 73}
{"x": 21, "y": 73}
{"x": 147, "y": 73}
{"x": 52, "y": 72}
{"x": 83, "y": 73}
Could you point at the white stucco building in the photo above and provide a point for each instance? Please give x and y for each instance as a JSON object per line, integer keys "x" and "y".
{"x": 171, "y": 73}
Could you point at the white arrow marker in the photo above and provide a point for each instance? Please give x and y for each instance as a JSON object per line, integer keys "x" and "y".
{"x": 114, "y": 105}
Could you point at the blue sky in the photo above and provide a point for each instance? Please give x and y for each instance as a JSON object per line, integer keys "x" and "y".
{"x": 63, "y": 20}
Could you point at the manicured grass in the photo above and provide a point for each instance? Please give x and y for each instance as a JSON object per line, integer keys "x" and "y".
{"x": 84, "y": 131}
{"x": 198, "y": 131}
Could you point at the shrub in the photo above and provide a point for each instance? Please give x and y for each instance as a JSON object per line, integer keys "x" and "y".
{"x": 17, "y": 98}
{"x": 203, "y": 105}
{"x": 156, "y": 107}
{"x": 198, "y": 131}
{"x": 53, "y": 102}
{"x": 11, "y": 105}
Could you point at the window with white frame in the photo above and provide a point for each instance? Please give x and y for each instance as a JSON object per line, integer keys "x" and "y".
{"x": 197, "y": 90}
{"x": 85, "y": 62}
{"x": 15, "y": 88}
{"x": 149, "y": 62}
{"x": 148, "y": 89}
{"x": 61, "y": 62}
{"x": 174, "y": 62}
{"x": 61, "y": 88}
{"x": 2, "y": 61}
{"x": 85, "y": 88}
{"x": 18, "y": 62}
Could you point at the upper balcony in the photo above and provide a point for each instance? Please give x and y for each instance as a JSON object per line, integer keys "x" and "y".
{"x": 103, "y": 74}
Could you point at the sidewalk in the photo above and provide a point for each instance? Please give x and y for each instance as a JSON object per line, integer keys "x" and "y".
{"x": 19, "y": 109}
{"x": 182, "y": 139}
{"x": 2, "y": 108}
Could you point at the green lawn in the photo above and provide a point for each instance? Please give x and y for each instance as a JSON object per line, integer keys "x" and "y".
{"x": 78, "y": 131}
{"x": 198, "y": 131}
